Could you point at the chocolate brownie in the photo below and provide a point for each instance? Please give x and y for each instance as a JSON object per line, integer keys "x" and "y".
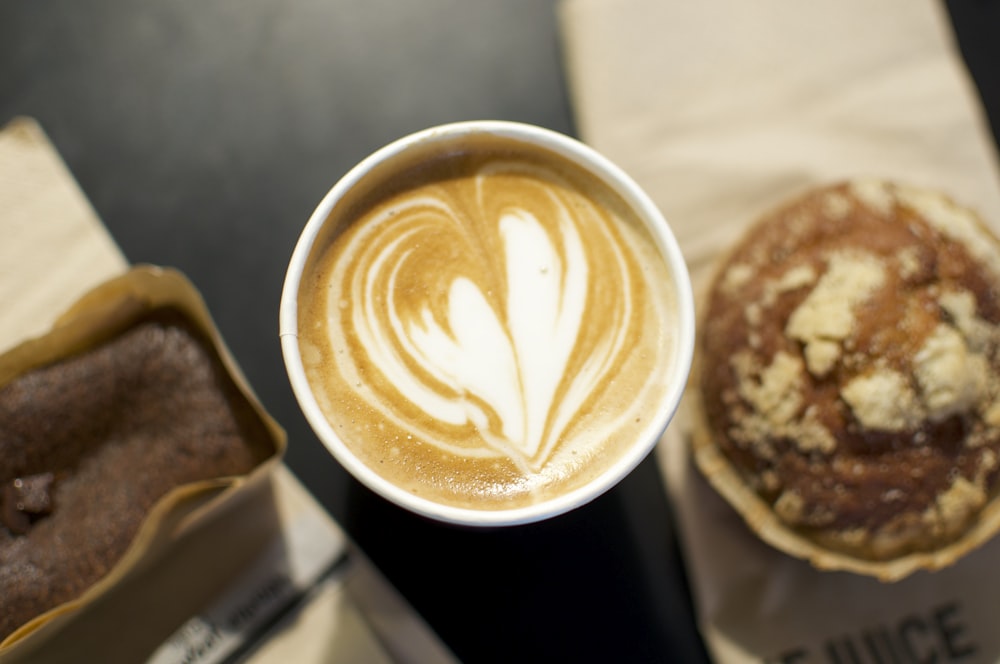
{"x": 89, "y": 444}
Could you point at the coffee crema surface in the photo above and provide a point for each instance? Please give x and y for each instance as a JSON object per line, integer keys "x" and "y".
{"x": 487, "y": 328}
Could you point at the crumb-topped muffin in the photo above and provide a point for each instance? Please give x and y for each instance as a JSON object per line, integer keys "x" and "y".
{"x": 848, "y": 370}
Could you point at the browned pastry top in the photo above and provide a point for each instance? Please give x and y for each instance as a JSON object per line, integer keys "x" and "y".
{"x": 89, "y": 444}
{"x": 850, "y": 368}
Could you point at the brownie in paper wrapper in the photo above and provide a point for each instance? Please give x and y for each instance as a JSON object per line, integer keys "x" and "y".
{"x": 119, "y": 427}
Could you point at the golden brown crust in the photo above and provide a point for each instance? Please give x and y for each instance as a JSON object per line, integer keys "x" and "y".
{"x": 849, "y": 368}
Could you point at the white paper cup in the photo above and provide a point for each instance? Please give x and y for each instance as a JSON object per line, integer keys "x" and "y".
{"x": 589, "y": 160}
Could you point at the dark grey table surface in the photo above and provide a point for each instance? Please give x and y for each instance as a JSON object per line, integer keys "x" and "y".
{"x": 204, "y": 133}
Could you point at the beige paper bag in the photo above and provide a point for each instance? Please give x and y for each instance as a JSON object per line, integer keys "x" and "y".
{"x": 51, "y": 242}
{"x": 721, "y": 110}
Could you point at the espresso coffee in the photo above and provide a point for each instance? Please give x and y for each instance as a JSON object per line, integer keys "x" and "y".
{"x": 487, "y": 325}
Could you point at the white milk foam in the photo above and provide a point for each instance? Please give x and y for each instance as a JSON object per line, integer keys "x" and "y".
{"x": 495, "y": 316}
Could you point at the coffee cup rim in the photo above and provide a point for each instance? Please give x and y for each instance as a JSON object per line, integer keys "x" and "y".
{"x": 590, "y": 160}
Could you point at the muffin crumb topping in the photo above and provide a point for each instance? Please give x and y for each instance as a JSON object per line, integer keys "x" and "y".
{"x": 826, "y": 316}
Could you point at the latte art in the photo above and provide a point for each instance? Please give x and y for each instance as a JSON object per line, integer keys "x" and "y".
{"x": 496, "y": 340}
{"x": 489, "y": 332}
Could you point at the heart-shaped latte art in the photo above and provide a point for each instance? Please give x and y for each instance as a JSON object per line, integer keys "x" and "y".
{"x": 506, "y": 310}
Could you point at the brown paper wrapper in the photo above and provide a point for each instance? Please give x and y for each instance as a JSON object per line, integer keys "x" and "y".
{"x": 169, "y": 528}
